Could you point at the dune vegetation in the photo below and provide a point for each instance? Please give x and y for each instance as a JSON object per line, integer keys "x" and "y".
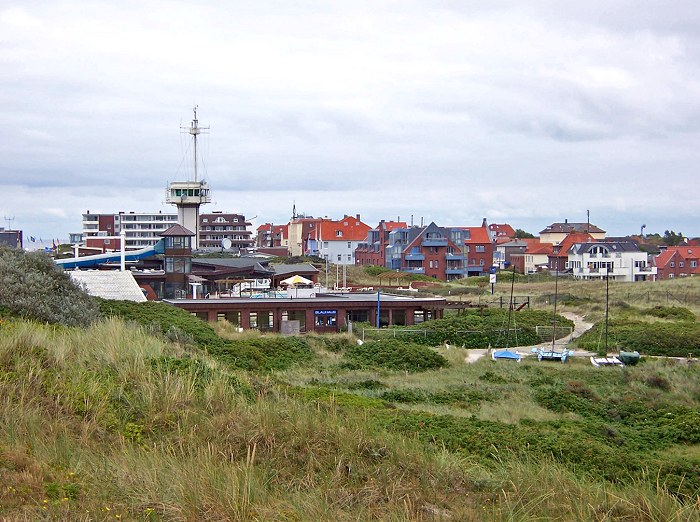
{"x": 147, "y": 413}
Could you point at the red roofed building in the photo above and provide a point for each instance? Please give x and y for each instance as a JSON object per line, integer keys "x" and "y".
{"x": 500, "y": 231}
{"x": 271, "y": 236}
{"x": 373, "y": 250}
{"x": 528, "y": 255}
{"x": 560, "y": 252}
{"x": 337, "y": 240}
{"x": 678, "y": 261}
{"x": 478, "y": 249}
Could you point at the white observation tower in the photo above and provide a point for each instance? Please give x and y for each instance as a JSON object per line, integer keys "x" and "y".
{"x": 187, "y": 196}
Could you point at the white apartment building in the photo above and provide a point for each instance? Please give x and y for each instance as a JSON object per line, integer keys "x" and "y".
{"x": 142, "y": 229}
{"x": 621, "y": 261}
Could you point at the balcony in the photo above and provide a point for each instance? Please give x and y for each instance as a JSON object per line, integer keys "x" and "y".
{"x": 434, "y": 242}
{"x": 415, "y": 257}
{"x": 420, "y": 270}
{"x": 455, "y": 271}
{"x": 455, "y": 257}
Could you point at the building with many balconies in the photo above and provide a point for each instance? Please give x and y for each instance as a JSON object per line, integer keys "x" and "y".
{"x": 618, "y": 260}
{"x": 141, "y": 229}
{"x": 217, "y": 227}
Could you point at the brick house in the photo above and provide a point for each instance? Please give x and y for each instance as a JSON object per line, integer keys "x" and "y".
{"x": 373, "y": 250}
{"x": 678, "y": 261}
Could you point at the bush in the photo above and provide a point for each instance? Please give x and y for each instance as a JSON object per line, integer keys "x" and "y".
{"x": 371, "y": 270}
{"x": 483, "y": 328}
{"x": 264, "y": 353}
{"x": 393, "y": 355}
{"x": 676, "y": 313}
{"x": 33, "y": 287}
{"x": 672, "y": 339}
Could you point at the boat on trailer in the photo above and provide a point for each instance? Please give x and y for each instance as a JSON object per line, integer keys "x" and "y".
{"x": 606, "y": 361}
{"x": 505, "y": 355}
{"x": 545, "y": 354}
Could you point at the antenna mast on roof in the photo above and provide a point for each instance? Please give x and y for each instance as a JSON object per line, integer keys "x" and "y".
{"x": 195, "y": 130}
{"x": 9, "y": 222}
{"x": 588, "y": 221}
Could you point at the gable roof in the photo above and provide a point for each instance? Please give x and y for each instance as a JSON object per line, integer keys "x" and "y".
{"x": 347, "y": 229}
{"x": 571, "y": 239}
{"x": 502, "y": 230}
{"x": 685, "y": 252}
{"x": 477, "y": 235}
{"x": 109, "y": 284}
{"x": 566, "y": 228}
{"x": 612, "y": 246}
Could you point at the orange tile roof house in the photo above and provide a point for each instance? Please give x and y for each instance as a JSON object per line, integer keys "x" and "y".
{"x": 336, "y": 241}
{"x": 501, "y": 230}
{"x": 678, "y": 261}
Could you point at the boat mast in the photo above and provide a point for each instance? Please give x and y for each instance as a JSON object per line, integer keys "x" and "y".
{"x": 607, "y": 294}
{"x": 556, "y": 288}
{"x": 510, "y": 308}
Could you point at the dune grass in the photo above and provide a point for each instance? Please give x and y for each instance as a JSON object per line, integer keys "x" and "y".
{"x": 112, "y": 422}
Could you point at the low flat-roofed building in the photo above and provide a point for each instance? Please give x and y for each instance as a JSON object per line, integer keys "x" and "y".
{"x": 324, "y": 313}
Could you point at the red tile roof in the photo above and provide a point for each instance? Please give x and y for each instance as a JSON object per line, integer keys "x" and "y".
{"x": 477, "y": 235}
{"x": 502, "y": 230}
{"x": 684, "y": 251}
{"x": 350, "y": 229}
{"x": 571, "y": 239}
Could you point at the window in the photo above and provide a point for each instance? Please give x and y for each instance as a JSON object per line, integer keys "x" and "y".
{"x": 481, "y": 262}
{"x": 436, "y": 264}
{"x": 681, "y": 264}
{"x": 672, "y": 264}
{"x": 430, "y": 264}
{"x": 177, "y": 265}
{"x": 338, "y": 233}
{"x": 349, "y": 244}
{"x": 205, "y": 220}
{"x": 340, "y": 257}
{"x": 480, "y": 248}
{"x": 349, "y": 257}
{"x": 325, "y": 244}
{"x": 694, "y": 264}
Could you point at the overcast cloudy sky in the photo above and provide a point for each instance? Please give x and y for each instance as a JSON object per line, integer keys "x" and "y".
{"x": 450, "y": 111}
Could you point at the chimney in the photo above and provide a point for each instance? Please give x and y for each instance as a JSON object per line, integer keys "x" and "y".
{"x": 483, "y": 223}
{"x": 357, "y": 216}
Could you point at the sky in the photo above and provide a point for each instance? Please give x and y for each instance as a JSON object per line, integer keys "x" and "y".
{"x": 525, "y": 113}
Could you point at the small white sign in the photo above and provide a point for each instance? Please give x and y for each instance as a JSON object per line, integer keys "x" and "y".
{"x": 492, "y": 278}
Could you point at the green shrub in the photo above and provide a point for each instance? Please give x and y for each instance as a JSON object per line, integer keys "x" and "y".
{"x": 481, "y": 328}
{"x": 368, "y": 384}
{"x": 676, "y": 313}
{"x": 263, "y": 353}
{"x": 371, "y": 270}
{"x": 33, "y": 287}
{"x": 672, "y": 339}
{"x": 393, "y": 354}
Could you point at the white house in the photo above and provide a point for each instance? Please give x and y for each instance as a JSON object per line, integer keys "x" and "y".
{"x": 619, "y": 260}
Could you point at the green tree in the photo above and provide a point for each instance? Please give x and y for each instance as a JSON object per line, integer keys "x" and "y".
{"x": 33, "y": 287}
{"x": 673, "y": 239}
{"x": 521, "y": 234}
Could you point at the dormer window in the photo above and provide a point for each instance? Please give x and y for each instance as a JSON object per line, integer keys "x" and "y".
{"x": 339, "y": 233}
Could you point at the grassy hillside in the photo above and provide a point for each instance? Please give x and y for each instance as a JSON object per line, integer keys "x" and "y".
{"x": 116, "y": 422}
{"x": 146, "y": 413}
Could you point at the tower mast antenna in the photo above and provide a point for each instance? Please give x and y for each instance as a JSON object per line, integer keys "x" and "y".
{"x": 195, "y": 130}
